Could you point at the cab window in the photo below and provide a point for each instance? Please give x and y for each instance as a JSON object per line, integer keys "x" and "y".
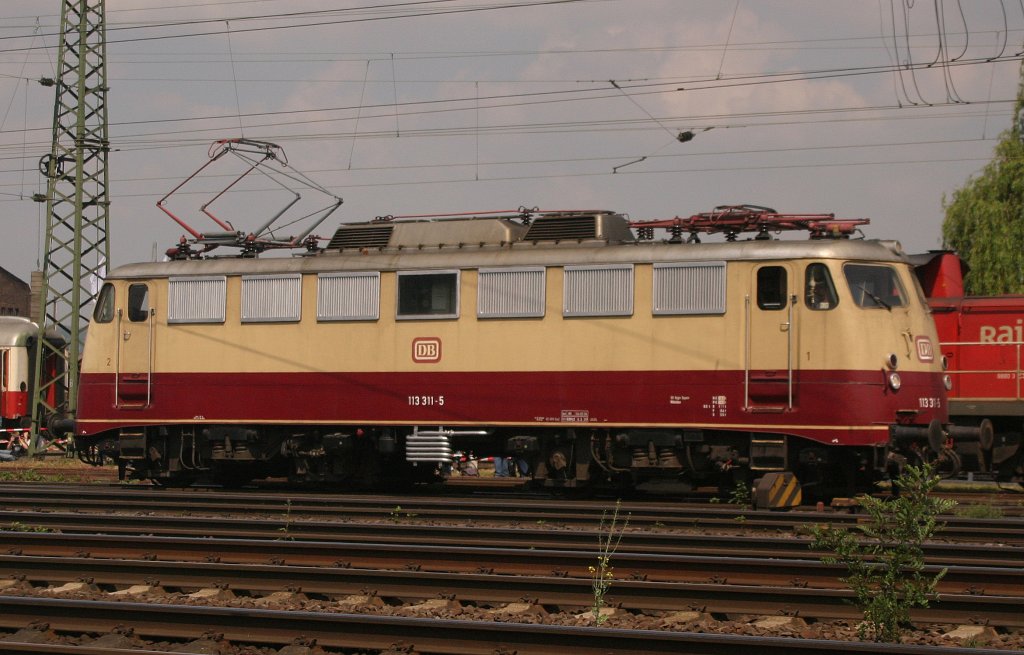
{"x": 819, "y": 291}
{"x": 771, "y": 287}
{"x": 875, "y": 286}
{"x": 138, "y": 302}
{"x": 104, "y": 311}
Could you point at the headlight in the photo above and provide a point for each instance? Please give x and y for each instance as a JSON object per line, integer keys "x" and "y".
{"x": 947, "y": 382}
{"x": 892, "y": 360}
{"x": 945, "y": 363}
{"x": 894, "y": 380}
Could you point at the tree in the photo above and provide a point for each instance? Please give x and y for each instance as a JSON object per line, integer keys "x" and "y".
{"x": 985, "y": 220}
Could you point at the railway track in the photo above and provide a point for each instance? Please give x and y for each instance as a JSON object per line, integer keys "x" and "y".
{"x": 408, "y": 530}
{"x": 445, "y": 557}
{"x": 398, "y": 634}
{"x": 389, "y": 564}
{"x": 498, "y": 509}
{"x": 285, "y": 582}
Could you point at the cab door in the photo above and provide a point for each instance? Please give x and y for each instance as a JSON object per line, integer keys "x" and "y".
{"x": 770, "y": 338}
{"x": 135, "y": 322}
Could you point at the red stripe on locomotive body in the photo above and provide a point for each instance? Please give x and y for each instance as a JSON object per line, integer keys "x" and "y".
{"x": 841, "y": 407}
{"x": 14, "y": 404}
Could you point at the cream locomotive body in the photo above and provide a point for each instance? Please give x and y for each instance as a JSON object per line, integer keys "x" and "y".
{"x": 561, "y": 339}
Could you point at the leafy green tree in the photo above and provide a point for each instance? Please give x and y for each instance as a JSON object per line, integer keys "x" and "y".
{"x": 883, "y": 555}
{"x": 985, "y": 220}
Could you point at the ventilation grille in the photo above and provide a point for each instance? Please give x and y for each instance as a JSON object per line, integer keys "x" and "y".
{"x": 428, "y": 446}
{"x": 361, "y": 236}
{"x": 557, "y": 228}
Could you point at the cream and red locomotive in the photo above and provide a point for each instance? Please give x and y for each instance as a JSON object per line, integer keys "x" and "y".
{"x": 575, "y": 340}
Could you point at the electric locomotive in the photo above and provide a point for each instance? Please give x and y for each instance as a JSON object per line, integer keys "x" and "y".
{"x": 579, "y": 341}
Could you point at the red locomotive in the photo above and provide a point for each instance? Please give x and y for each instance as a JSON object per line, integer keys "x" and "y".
{"x": 981, "y": 338}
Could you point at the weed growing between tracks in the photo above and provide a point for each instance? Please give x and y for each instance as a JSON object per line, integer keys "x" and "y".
{"x": 609, "y": 535}
{"x": 18, "y": 526}
{"x": 883, "y": 555}
{"x": 286, "y": 528}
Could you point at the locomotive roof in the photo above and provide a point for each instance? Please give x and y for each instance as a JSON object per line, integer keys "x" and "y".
{"x": 16, "y": 330}
{"x": 501, "y": 241}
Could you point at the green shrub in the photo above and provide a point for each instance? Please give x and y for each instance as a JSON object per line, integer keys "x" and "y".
{"x": 883, "y": 555}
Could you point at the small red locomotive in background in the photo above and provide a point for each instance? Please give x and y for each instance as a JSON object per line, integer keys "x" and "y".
{"x": 982, "y": 341}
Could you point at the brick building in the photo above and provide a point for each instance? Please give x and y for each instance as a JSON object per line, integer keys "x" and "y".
{"x": 15, "y": 295}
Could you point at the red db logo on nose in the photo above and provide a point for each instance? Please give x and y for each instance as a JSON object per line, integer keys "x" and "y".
{"x": 426, "y": 350}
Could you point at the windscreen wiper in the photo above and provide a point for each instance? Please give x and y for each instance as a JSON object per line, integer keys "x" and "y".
{"x": 874, "y": 297}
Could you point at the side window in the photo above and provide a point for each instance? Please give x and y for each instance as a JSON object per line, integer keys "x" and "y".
{"x": 875, "y": 286}
{"x": 138, "y": 302}
{"x": 104, "y": 311}
{"x": 819, "y": 291}
{"x": 771, "y": 287}
{"x": 428, "y": 295}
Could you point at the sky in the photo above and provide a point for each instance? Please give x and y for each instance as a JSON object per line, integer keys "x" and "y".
{"x": 875, "y": 109}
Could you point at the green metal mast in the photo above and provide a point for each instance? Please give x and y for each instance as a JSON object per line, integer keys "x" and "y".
{"x": 77, "y": 210}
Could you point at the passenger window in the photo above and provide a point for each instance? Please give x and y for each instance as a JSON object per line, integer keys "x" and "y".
{"x": 104, "y": 311}
{"x": 875, "y": 286}
{"x": 771, "y": 287}
{"x": 138, "y": 302}
{"x": 819, "y": 291}
{"x": 428, "y": 295}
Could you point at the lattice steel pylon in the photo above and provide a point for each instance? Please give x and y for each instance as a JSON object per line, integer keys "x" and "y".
{"x": 77, "y": 210}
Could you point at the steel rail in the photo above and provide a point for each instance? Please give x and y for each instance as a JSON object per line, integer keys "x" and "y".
{"x": 511, "y": 561}
{"x": 642, "y": 514}
{"x": 1003, "y": 611}
{"x": 278, "y": 628}
{"x": 404, "y": 530}
{"x": 24, "y": 648}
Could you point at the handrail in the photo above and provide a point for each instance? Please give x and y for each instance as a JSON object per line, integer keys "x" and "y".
{"x": 746, "y": 353}
{"x": 789, "y": 349}
{"x": 117, "y": 360}
{"x": 149, "y": 373}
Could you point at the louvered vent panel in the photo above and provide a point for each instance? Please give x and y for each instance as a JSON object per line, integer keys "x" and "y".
{"x": 196, "y": 299}
{"x": 510, "y": 293}
{"x": 362, "y": 236}
{"x": 348, "y": 297}
{"x": 697, "y": 288}
{"x": 557, "y": 228}
{"x": 271, "y": 298}
{"x": 598, "y": 291}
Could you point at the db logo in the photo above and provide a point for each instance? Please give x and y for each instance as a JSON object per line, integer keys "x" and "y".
{"x": 426, "y": 350}
{"x": 924, "y": 349}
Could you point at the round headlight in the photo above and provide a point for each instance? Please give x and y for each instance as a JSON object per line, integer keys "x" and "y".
{"x": 947, "y": 382}
{"x": 892, "y": 360}
{"x": 894, "y": 381}
{"x": 945, "y": 363}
